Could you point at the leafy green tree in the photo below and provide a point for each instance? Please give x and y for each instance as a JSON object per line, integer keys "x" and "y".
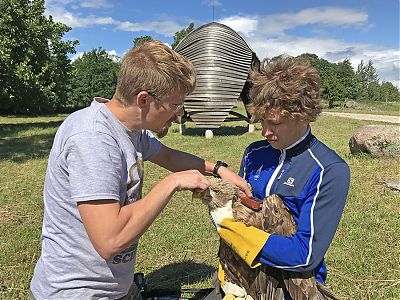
{"x": 180, "y": 35}
{"x": 137, "y": 41}
{"x": 332, "y": 88}
{"x": 347, "y": 79}
{"x": 34, "y": 63}
{"x": 367, "y": 73}
{"x": 367, "y": 82}
{"x": 94, "y": 74}
{"x": 389, "y": 92}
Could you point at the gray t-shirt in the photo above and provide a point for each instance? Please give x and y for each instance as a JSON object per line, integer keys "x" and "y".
{"x": 94, "y": 157}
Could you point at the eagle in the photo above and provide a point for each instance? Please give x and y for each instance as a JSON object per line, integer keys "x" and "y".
{"x": 263, "y": 282}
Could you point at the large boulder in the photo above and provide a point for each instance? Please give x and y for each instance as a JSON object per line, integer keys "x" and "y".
{"x": 377, "y": 140}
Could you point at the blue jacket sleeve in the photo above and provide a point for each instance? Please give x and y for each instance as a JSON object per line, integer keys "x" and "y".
{"x": 319, "y": 217}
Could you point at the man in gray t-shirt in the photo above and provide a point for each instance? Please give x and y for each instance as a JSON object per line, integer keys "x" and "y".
{"x": 94, "y": 212}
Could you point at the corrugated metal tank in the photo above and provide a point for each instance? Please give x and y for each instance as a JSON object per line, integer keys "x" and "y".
{"x": 222, "y": 60}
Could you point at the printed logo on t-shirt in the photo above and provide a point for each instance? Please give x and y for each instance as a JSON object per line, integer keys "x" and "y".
{"x": 136, "y": 172}
{"x": 125, "y": 256}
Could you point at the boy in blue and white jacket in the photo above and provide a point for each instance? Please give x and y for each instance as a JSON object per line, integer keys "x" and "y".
{"x": 311, "y": 178}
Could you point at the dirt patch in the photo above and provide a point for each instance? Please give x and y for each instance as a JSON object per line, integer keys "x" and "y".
{"x": 381, "y": 118}
{"x": 5, "y": 216}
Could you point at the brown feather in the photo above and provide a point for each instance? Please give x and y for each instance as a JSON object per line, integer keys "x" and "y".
{"x": 264, "y": 282}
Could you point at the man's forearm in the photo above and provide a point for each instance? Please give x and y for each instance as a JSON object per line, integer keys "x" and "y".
{"x": 112, "y": 228}
{"x": 175, "y": 161}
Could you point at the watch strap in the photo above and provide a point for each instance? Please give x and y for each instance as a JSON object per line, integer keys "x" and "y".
{"x": 218, "y": 164}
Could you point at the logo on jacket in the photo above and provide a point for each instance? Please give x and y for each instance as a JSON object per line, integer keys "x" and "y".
{"x": 289, "y": 182}
{"x": 258, "y": 172}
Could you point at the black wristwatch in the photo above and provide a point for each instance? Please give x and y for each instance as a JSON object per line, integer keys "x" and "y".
{"x": 218, "y": 164}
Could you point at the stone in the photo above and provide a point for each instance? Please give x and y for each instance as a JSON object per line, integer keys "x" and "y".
{"x": 377, "y": 140}
{"x": 351, "y": 104}
{"x": 209, "y": 134}
{"x": 252, "y": 128}
{"x": 391, "y": 183}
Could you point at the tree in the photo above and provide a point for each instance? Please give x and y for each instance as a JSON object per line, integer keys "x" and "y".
{"x": 367, "y": 73}
{"x": 34, "y": 65}
{"x": 94, "y": 74}
{"x": 141, "y": 39}
{"x": 389, "y": 92}
{"x": 180, "y": 35}
{"x": 347, "y": 79}
{"x": 332, "y": 88}
{"x": 367, "y": 81}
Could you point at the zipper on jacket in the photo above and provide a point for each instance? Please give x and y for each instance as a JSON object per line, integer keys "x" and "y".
{"x": 276, "y": 172}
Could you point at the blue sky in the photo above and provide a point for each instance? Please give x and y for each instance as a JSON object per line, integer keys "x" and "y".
{"x": 333, "y": 30}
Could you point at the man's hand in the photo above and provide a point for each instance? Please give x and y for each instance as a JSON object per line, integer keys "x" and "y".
{"x": 232, "y": 177}
{"x": 191, "y": 180}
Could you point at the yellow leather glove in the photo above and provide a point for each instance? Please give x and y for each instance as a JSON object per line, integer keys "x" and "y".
{"x": 246, "y": 241}
{"x": 221, "y": 274}
{"x": 232, "y": 291}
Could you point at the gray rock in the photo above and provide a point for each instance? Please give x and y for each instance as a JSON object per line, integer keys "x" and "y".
{"x": 351, "y": 104}
{"x": 391, "y": 183}
{"x": 377, "y": 140}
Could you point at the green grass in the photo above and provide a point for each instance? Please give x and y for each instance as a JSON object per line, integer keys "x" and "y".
{"x": 374, "y": 108}
{"x": 180, "y": 249}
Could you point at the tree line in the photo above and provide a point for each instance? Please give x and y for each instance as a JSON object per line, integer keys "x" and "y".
{"x": 37, "y": 76}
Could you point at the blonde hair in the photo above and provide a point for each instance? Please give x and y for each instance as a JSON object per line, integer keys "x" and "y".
{"x": 289, "y": 86}
{"x": 156, "y": 68}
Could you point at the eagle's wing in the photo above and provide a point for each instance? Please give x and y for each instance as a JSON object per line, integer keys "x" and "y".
{"x": 258, "y": 282}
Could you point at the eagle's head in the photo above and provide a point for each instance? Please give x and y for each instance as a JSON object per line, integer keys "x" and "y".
{"x": 219, "y": 193}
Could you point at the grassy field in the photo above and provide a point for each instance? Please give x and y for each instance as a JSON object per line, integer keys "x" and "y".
{"x": 375, "y": 108}
{"x": 180, "y": 248}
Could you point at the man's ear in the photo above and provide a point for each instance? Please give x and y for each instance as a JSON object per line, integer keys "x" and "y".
{"x": 142, "y": 99}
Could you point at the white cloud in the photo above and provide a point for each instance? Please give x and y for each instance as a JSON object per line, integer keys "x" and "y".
{"x": 385, "y": 60}
{"x": 75, "y": 20}
{"x": 60, "y": 14}
{"x": 267, "y": 36}
{"x": 166, "y": 27}
{"x": 211, "y": 2}
{"x": 112, "y": 54}
{"x": 95, "y": 4}
{"x": 327, "y": 16}
{"x": 76, "y": 56}
{"x": 245, "y": 25}
{"x": 275, "y": 25}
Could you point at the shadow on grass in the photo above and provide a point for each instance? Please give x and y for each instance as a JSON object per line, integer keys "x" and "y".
{"x": 169, "y": 279}
{"x": 21, "y": 149}
{"x": 15, "y": 129}
{"x": 221, "y": 131}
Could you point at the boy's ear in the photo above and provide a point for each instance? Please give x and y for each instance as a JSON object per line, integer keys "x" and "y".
{"x": 142, "y": 99}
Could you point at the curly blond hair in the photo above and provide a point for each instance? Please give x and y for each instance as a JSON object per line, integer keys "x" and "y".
{"x": 156, "y": 68}
{"x": 289, "y": 86}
